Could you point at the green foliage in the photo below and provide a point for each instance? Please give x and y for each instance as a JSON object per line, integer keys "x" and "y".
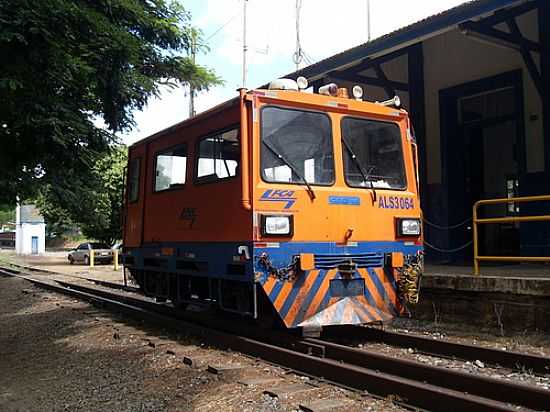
{"x": 93, "y": 202}
{"x": 66, "y": 63}
{"x": 7, "y": 214}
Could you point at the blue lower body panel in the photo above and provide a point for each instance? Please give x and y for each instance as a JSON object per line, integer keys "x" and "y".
{"x": 326, "y": 295}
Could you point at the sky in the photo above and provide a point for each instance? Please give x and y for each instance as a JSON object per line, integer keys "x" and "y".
{"x": 327, "y": 27}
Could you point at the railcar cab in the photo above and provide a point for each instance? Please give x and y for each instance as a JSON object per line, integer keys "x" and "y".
{"x": 337, "y": 234}
{"x": 305, "y": 205}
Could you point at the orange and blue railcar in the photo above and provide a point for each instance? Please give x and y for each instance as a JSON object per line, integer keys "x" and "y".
{"x": 303, "y": 205}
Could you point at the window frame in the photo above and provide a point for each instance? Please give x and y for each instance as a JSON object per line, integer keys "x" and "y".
{"x": 344, "y": 151}
{"x": 138, "y": 159}
{"x": 324, "y": 113}
{"x": 209, "y": 178}
{"x": 178, "y": 186}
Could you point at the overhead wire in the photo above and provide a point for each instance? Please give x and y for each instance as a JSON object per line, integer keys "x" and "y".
{"x": 223, "y": 26}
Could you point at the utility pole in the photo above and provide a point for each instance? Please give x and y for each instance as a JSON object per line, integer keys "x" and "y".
{"x": 191, "y": 88}
{"x": 245, "y": 47}
{"x": 368, "y": 21}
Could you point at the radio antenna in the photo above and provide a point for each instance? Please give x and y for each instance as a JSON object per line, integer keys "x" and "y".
{"x": 368, "y": 21}
{"x": 194, "y": 36}
{"x": 245, "y": 47}
{"x": 299, "y": 53}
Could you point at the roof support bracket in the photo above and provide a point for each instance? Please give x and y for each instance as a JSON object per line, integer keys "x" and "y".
{"x": 381, "y": 80}
{"x": 485, "y": 31}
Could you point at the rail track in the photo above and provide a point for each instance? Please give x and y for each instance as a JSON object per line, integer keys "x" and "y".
{"x": 407, "y": 382}
{"x": 443, "y": 348}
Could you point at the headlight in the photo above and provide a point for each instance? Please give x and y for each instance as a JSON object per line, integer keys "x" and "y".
{"x": 408, "y": 227}
{"x": 277, "y": 225}
{"x": 357, "y": 92}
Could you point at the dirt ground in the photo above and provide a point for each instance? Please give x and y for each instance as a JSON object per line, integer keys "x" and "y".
{"x": 60, "y": 354}
{"x": 57, "y": 262}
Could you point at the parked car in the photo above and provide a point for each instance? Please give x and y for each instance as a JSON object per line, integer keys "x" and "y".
{"x": 102, "y": 253}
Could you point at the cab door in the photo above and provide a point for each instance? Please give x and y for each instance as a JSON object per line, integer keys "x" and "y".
{"x": 134, "y": 196}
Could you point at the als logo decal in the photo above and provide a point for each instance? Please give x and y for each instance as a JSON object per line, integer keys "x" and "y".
{"x": 395, "y": 202}
{"x": 286, "y": 196}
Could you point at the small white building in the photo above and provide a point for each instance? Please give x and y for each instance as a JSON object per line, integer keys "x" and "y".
{"x": 30, "y": 231}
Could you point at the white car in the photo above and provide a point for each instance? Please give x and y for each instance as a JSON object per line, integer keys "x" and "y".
{"x": 102, "y": 253}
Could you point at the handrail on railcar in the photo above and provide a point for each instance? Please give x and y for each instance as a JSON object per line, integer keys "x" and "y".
{"x": 509, "y": 219}
{"x": 245, "y": 173}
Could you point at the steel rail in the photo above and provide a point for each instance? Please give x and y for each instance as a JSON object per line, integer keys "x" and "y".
{"x": 341, "y": 365}
{"x": 445, "y": 348}
{"x": 478, "y": 385}
{"x": 99, "y": 282}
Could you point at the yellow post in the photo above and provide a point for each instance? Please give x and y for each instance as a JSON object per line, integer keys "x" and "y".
{"x": 474, "y": 232}
{"x": 115, "y": 258}
{"x": 92, "y": 258}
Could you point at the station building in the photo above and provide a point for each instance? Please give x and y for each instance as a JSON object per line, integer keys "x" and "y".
{"x": 30, "y": 231}
{"x": 476, "y": 81}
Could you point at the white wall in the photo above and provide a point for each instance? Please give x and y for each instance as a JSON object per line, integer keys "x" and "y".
{"x": 23, "y": 237}
{"x": 451, "y": 59}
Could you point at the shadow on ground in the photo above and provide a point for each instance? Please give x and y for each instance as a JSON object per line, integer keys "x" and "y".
{"x": 61, "y": 354}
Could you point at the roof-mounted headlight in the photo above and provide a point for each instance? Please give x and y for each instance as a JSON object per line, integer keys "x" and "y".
{"x": 302, "y": 83}
{"x": 357, "y": 92}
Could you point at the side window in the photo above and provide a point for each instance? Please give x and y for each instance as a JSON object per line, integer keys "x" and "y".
{"x": 83, "y": 246}
{"x": 133, "y": 180}
{"x": 171, "y": 166}
{"x": 218, "y": 156}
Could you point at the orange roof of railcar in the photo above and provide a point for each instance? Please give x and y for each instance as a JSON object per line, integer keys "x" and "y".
{"x": 299, "y": 97}
{"x": 187, "y": 122}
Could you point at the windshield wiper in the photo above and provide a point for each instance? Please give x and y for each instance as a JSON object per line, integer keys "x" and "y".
{"x": 310, "y": 191}
{"x": 364, "y": 175}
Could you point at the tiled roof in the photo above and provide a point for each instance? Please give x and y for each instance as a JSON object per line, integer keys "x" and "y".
{"x": 31, "y": 214}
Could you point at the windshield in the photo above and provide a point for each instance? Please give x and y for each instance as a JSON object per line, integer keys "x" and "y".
{"x": 99, "y": 246}
{"x": 378, "y": 159}
{"x": 297, "y": 147}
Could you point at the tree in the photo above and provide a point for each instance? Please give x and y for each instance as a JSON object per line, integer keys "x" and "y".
{"x": 67, "y": 63}
{"x": 7, "y": 214}
{"x": 93, "y": 202}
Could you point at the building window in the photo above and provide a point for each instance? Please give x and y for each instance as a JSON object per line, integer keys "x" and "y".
{"x": 171, "y": 166}
{"x": 218, "y": 156}
{"x": 133, "y": 180}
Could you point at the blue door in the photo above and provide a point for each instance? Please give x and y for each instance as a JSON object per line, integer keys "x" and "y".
{"x": 34, "y": 246}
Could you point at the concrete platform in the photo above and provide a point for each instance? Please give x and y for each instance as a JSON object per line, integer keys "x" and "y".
{"x": 508, "y": 298}
{"x": 525, "y": 279}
